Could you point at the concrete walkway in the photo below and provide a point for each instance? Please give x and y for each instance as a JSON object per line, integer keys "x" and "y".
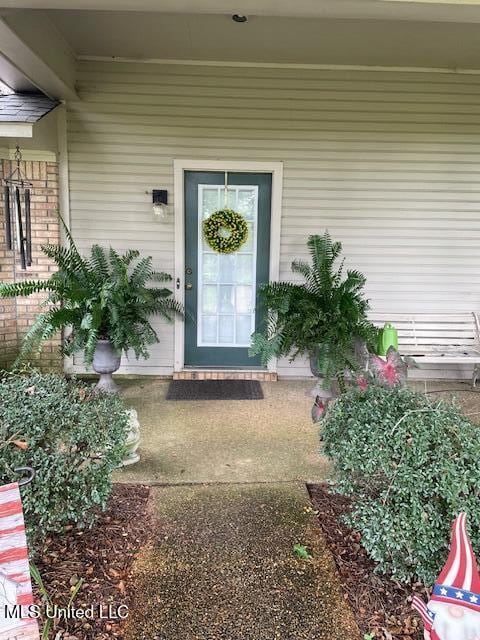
{"x": 224, "y": 568}
{"x": 215, "y": 441}
{"x": 229, "y": 489}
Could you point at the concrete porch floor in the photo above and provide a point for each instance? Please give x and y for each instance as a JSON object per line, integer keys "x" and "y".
{"x": 267, "y": 440}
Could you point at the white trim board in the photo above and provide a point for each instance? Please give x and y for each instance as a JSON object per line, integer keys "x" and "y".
{"x": 29, "y": 155}
{"x": 179, "y": 168}
{"x": 64, "y": 200}
{"x": 16, "y": 130}
{"x": 281, "y": 65}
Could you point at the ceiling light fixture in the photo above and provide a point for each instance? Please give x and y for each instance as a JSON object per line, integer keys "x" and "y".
{"x": 239, "y": 18}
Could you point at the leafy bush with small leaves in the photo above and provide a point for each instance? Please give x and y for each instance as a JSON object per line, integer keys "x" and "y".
{"x": 411, "y": 465}
{"x": 104, "y": 297}
{"x": 72, "y": 438}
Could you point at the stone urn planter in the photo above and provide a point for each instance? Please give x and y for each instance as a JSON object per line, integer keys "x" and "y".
{"x": 314, "y": 366}
{"x": 319, "y": 390}
{"x": 316, "y": 372}
{"x": 106, "y": 362}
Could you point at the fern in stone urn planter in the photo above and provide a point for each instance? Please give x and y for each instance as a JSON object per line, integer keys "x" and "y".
{"x": 323, "y": 318}
{"x": 105, "y": 301}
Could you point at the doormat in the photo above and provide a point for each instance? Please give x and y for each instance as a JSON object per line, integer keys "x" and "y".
{"x": 214, "y": 390}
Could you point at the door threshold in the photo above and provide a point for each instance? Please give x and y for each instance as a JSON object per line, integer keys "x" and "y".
{"x": 225, "y": 374}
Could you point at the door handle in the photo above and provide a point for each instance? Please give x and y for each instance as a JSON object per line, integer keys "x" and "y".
{"x": 189, "y": 286}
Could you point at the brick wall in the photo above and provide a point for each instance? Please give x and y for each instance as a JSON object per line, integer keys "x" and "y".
{"x": 17, "y": 314}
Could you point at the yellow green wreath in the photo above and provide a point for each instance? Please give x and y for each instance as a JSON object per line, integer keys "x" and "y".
{"x": 228, "y": 221}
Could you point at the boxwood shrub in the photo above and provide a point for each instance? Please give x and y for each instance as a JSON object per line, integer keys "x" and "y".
{"x": 411, "y": 465}
{"x": 72, "y": 439}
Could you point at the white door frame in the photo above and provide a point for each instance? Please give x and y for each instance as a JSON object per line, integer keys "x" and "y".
{"x": 182, "y": 165}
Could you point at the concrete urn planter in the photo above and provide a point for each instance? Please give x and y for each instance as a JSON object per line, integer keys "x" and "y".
{"x": 106, "y": 362}
{"x": 314, "y": 364}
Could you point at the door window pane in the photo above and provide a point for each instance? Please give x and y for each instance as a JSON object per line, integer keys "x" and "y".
{"x": 209, "y": 299}
{"x": 209, "y": 329}
{"x": 243, "y": 330}
{"x": 243, "y": 299}
{"x": 232, "y": 198}
{"x": 210, "y": 200}
{"x": 248, "y": 245}
{"x": 225, "y": 329}
{"x": 244, "y": 268}
{"x": 227, "y": 301}
{"x": 210, "y": 268}
{"x": 226, "y": 267}
{"x": 246, "y": 203}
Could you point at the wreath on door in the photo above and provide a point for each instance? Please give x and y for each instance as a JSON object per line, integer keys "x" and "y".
{"x": 225, "y": 231}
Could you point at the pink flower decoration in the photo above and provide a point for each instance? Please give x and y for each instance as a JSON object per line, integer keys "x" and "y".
{"x": 362, "y": 383}
{"x": 391, "y": 371}
{"x": 319, "y": 408}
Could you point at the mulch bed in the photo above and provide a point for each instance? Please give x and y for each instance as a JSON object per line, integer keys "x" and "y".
{"x": 382, "y": 606}
{"x": 103, "y": 557}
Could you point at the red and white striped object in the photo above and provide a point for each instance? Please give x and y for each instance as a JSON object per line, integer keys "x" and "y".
{"x": 15, "y": 584}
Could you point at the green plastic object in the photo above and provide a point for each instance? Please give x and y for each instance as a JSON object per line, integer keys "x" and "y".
{"x": 388, "y": 338}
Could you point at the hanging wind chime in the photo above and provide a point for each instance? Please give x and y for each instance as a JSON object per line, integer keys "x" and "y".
{"x": 18, "y": 222}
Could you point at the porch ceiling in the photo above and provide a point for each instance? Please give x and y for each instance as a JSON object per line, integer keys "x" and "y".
{"x": 277, "y": 39}
{"x": 438, "y": 10}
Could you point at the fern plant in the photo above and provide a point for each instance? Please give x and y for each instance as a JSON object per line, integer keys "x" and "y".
{"x": 103, "y": 297}
{"x": 321, "y": 318}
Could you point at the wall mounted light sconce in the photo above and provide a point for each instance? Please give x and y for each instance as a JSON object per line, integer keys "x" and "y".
{"x": 160, "y": 203}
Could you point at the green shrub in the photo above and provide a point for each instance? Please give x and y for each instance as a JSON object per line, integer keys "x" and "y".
{"x": 411, "y": 466}
{"x": 72, "y": 439}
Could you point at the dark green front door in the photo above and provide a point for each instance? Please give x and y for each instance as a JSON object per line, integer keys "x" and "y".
{"x": 221, "y": 290}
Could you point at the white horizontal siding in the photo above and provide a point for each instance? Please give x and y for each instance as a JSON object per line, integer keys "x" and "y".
{"x": 388, "y": 162}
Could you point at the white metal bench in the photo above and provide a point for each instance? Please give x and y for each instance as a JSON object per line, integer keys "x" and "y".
{"x": 440, "y": 338}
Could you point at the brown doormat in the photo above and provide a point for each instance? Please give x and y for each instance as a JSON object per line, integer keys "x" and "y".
{"x": 214, "y": 390}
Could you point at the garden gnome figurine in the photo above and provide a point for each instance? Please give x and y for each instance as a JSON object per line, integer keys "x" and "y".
{"x": 453, "y": 612}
